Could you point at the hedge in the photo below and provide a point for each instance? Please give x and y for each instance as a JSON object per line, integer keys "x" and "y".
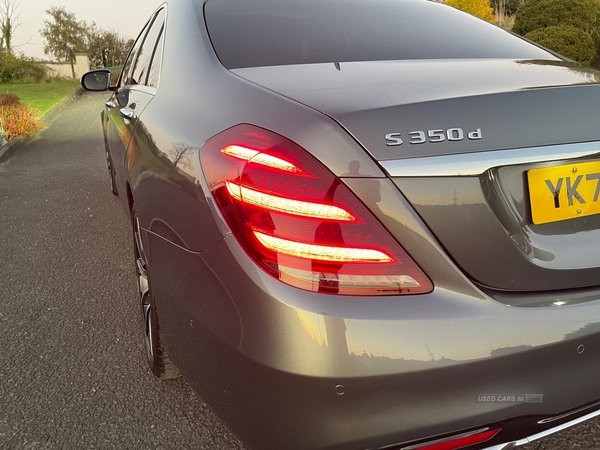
{"x": 569, "y": 41}
{"x": 21, "y": 69}
{"x": 582, "y": 14}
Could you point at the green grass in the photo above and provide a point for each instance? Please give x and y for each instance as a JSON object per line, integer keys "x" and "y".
{"x": 43, "y": 96}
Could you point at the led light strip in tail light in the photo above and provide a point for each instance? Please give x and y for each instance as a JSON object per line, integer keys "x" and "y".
{"x": 259, "y": 158}
{"x": 321, "y": 252}
{"x": 298, "y": 222}
{"x": 287, "y": 205}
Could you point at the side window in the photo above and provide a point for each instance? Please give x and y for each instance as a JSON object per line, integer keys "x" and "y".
{"x": 147, "y": 50}
{"x": 124, "y": 80}
{"x": 154, "y": 72}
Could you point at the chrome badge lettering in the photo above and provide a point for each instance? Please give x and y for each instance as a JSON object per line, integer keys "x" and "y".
{"x": 434, "y": 136}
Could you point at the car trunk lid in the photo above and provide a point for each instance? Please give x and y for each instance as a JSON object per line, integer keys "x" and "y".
{"x": 482, "y": 107}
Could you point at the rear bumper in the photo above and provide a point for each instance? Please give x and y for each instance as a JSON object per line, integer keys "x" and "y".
{"x": 288, "y": 369}
{"x": 579, "y": 417}
{"x": 509, "y": 436}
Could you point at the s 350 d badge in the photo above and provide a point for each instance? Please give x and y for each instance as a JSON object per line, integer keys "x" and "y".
{"x": 434, "y": 136}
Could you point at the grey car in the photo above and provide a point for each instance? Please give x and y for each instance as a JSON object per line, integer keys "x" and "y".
{"x": 362, "y": 224}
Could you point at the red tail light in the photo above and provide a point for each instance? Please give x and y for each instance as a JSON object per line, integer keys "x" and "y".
{"x": 299, "y": 222}
{"x": 461, "y": 442}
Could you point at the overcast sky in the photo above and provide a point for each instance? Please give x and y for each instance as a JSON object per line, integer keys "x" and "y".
{"x": 126, "y": 16}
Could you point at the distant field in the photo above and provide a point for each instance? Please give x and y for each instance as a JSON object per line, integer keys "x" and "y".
{"x": 43, "y": 96}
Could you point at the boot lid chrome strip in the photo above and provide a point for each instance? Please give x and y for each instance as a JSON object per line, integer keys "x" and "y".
{"x": 474, "y": 164}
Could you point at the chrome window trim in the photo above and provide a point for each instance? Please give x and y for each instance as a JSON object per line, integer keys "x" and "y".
{"x": 473, "y": 164}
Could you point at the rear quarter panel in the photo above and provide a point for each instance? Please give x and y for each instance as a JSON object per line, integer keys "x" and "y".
{"x": 196, "y": 99}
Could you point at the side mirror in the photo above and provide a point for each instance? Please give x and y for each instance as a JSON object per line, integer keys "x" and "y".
{"x": 96, "y": 80}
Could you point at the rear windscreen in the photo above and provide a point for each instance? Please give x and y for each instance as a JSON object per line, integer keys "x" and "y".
{"x": 254, "y": 33}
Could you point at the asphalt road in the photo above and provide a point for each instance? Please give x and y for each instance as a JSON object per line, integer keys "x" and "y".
{"x": 72, "y": 367}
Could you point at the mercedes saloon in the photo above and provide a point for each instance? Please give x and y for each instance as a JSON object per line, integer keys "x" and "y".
{"x": 362, "y": 224}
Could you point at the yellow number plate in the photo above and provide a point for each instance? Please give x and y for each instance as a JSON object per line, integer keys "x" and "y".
{"x": 564, "y": 192}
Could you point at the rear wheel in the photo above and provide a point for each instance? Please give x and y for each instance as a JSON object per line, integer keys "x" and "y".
{"x": 156, "y": 354}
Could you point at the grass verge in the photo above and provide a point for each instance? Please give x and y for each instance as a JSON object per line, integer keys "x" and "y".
{"x": 43, "y": 96}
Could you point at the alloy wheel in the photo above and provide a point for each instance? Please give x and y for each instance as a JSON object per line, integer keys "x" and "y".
{"x": 144, "y": 289}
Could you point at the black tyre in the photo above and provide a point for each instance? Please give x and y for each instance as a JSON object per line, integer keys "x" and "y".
{"x": 156, "y": 354}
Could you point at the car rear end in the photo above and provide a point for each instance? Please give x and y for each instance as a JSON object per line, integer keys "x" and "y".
{"x": 482, "y": 326}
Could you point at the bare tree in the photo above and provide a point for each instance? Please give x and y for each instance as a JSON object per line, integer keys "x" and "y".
{"x": 10, "y": 20}
{"x": 180, "y": 154}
